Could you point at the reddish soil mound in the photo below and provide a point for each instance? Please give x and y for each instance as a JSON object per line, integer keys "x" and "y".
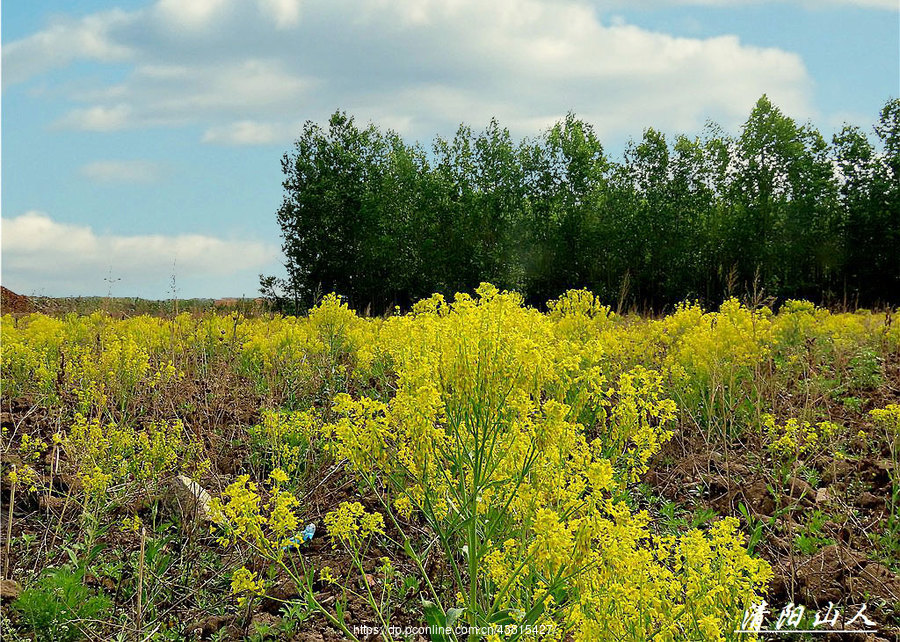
{"x": 12, "y": 302}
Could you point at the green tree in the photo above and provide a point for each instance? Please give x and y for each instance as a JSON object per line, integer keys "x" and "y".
{"x": 564, "y": 219}
{"x": 386, "y": 223}
{"x": 327, "y": 231}
{"x": 783, "y": 206}
{"x": 870, "y": 200}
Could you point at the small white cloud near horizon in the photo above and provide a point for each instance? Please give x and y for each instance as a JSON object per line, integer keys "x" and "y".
{"x": 122, "y": 171}
{"x": 41, "y": 254}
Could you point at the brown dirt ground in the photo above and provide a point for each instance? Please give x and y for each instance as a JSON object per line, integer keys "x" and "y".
{"x": 12, "y": 303}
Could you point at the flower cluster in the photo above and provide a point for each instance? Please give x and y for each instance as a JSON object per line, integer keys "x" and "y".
{"x": 244, "y": 585}
{"x": 23, "y": 477}
{"x": 351, "y": 524}
{"x": 284, "y": 439}
{"x": 888, "y": 419}
{"x": 242, "y": 515}
{"x": 104, "y": 454}
{"x": 31, "y": 449}
{"x": 795, "y": 438}
{"x": 517, "y": 444}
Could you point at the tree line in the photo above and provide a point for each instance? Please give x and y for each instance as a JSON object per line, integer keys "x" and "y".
{"x": 776, "y": 211}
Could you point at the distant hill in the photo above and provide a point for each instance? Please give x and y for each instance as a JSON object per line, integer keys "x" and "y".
{"x": 10, "y": 302}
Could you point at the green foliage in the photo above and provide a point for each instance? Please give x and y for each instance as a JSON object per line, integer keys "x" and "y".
{"x": 811, "y": 538}
{"x": 774, "y": 211}
{"x": 864, "y": 371}
{"x": 60, "y": 606}
{"x": 888, "y": 540}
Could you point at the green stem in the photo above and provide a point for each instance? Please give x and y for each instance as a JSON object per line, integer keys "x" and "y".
{"x": 407, "y": 545}
{"x": 473, "y": 565}
{"x": 307, "y": 585}
{"x": 384, "y": 627}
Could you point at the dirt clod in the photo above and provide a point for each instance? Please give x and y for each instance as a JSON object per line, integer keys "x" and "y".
{"x": 9, "y": 590}
{"x": 209, "y": 626}
{"x": 868, "y": 500}
{"x": 836, "y": 573}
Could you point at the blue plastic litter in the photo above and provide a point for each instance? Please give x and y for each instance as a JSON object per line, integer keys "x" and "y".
{"x": 301, "y": 538}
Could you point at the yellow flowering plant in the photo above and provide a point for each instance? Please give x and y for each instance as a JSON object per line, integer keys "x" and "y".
{"x": 352, "y": 528}
{"x": 244, "y": 586}
{"x": 283, "y": 441}
{"x": 796, "y": 441}
{"x": 887, "y": 422}
{"x": 507, "y": 441}
{"x": 24, "y": 477}
{"x": 521, "y": 465}
{"x": 104, "y": 454}
{"x": 269, "y": 528}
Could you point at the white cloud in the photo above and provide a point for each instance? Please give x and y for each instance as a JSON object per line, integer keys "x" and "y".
{"x": 194, "y": 14}
{"x": 250, "y": 132}
{"x": 889, "y": 5}
{"x": 877, "y": 4}
{"x": 201, "y": 15}
{"x": 122, "y": 171}
{"x": 811, "y": 4}
{"x": 65, "y": 41}
{"x": 177, "y": 94}
{"x": 100, "y": 118}
{"x": 286, "y": 13}
{"x": 245, "y": 73}
{"x": 40, "y": 254}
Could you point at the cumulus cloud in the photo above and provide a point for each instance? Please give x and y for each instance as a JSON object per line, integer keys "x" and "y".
{"x": 122, "y": 171}
{"x": 194, "y": 14}
{"x": 246, "y": 72}
{"x": 41, "y": 254}
{"x": 64, "y": 41}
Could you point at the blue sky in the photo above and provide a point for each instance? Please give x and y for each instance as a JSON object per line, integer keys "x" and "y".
{"x": 143, "y": 139}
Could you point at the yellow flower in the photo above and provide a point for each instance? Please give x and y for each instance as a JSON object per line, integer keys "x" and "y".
{"x": 351, "y": 524}
{"x": 24, "y": 477}
{"x": 404, "y": 506}
{"x": 386, "y": 568}
{"x": 278, "y": 476}
{"x": 244, "y": 585}
{"x": 325, "y": 574}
